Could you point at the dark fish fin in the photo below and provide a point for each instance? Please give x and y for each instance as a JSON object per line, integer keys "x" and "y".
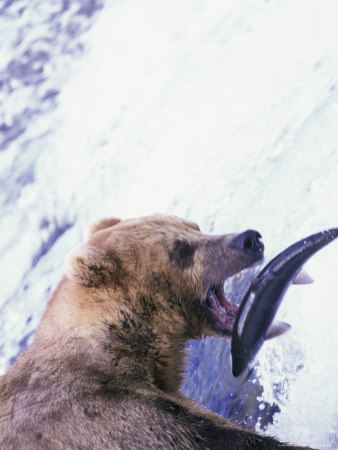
{"x": 276, "y": 329}
{"x": 303, "y": 277}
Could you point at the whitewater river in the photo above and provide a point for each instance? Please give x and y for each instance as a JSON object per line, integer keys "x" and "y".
{"x": 225, "y": 113}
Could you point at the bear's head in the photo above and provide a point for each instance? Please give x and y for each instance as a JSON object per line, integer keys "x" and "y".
{"x": 162, "y": 270}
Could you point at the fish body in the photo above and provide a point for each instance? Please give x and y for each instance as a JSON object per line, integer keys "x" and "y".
{"x": 262, "y": 300}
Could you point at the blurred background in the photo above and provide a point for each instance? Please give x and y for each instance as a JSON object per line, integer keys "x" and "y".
{"x": 222, "y": 112}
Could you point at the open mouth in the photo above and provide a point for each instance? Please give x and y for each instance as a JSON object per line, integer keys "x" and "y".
{"x": 220, "y": 311}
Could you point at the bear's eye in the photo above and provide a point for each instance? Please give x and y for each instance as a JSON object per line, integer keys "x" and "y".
{"x": 182, "y": 254}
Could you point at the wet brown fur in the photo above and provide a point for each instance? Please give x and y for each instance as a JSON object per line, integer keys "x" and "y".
{"x": 107, "y": 359}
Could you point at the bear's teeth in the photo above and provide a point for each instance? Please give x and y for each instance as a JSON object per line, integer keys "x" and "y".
{"x": 212, "y": 300}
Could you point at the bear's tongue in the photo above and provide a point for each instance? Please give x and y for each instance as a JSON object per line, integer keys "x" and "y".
{"x": 222, "y": 312}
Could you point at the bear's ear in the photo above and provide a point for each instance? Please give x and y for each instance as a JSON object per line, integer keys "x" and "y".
{"x": 90, "y": 266}
{"x": 99, "y": 225}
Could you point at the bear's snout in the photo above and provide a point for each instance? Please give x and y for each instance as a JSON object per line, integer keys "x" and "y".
{"x": 250, "y": 242}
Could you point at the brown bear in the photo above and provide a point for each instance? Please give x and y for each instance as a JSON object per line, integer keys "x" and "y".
{"x": 106, "y": 363}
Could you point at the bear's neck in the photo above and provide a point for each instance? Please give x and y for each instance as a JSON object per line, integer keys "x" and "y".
{"x": 83, "y": 364}
{"x": 143, "y": 354}
{"x": 116, "y": 346}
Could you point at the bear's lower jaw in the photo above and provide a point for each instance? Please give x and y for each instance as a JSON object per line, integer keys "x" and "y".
{"x": 219, "y": 311}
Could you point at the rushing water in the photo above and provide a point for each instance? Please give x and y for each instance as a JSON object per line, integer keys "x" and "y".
{"x": 221, "y": 112}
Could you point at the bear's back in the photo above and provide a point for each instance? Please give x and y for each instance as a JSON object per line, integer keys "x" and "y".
{"x": 112, "y": 418}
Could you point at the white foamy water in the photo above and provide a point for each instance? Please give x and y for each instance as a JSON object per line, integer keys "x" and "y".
{"x": 221, "y": 112}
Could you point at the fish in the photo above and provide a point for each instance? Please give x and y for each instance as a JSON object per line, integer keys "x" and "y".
{"x": 253, "y": 323}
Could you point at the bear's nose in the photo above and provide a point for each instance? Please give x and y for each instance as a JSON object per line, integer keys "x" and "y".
{"x": 249, "y": 241}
